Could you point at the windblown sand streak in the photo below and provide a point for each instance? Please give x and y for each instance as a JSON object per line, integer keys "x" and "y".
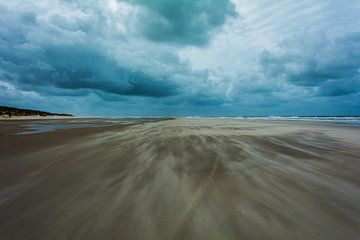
{"x": 187, "y": 221}
{"x": 182, "y": 179}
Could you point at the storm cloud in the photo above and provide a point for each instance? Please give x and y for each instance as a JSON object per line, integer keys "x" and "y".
{"x": 181, "y": 57}
{"x": 183, "y": 22}
{"x": 330, "y": 67}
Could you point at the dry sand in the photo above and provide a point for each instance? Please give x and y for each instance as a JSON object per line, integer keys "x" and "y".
{"x": 182, "y": 179}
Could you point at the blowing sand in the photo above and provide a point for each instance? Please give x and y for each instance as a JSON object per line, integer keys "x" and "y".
{"x": 182, "y": 179}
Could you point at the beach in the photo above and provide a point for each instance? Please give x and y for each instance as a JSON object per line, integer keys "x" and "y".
{"x": 181, "y": 178}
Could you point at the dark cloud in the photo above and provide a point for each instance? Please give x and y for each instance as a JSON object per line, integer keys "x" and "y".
{"x": 330, "y": 68}
{"x": 59, "y": 53}
{"x": 203, "y": 99}
{"x": 29, "y": 18}
{"x": 78, "y": 67}
{"x": 153, "y": 57}
{"x": 184, "y": 22}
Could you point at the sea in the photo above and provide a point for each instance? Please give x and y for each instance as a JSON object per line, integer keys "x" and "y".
{"x": 39, "y": 126}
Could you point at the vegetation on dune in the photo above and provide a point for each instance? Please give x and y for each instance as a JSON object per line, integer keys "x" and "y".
{"x": 18, "y": 112}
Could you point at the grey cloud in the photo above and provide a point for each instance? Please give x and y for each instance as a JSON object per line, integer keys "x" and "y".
{"x": 29, "y": 18}
{"x": 62, "y": 53}
{"x": 71, "y": 65}
{"x": 330, "y": 67}
{"x": 76, "y": 67}
{"x": 148, "y": 57}
{"x": 183, "y": 22}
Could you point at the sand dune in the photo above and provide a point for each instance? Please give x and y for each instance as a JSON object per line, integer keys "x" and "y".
{"x": 183, "y": 179}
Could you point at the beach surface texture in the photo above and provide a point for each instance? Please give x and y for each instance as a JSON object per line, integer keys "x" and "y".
{"x": 181, "y": 179}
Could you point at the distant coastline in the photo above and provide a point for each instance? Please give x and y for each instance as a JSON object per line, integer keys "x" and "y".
{"x": 19, "y": 113}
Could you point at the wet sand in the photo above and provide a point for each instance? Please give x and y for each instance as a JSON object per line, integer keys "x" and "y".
{"x": 182, "y": 179}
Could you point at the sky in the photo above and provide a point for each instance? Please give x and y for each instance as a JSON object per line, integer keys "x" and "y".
{"x": 181, "y": 57}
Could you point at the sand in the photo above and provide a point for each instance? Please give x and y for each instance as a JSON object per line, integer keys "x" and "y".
{"x": 182, "y": 179}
